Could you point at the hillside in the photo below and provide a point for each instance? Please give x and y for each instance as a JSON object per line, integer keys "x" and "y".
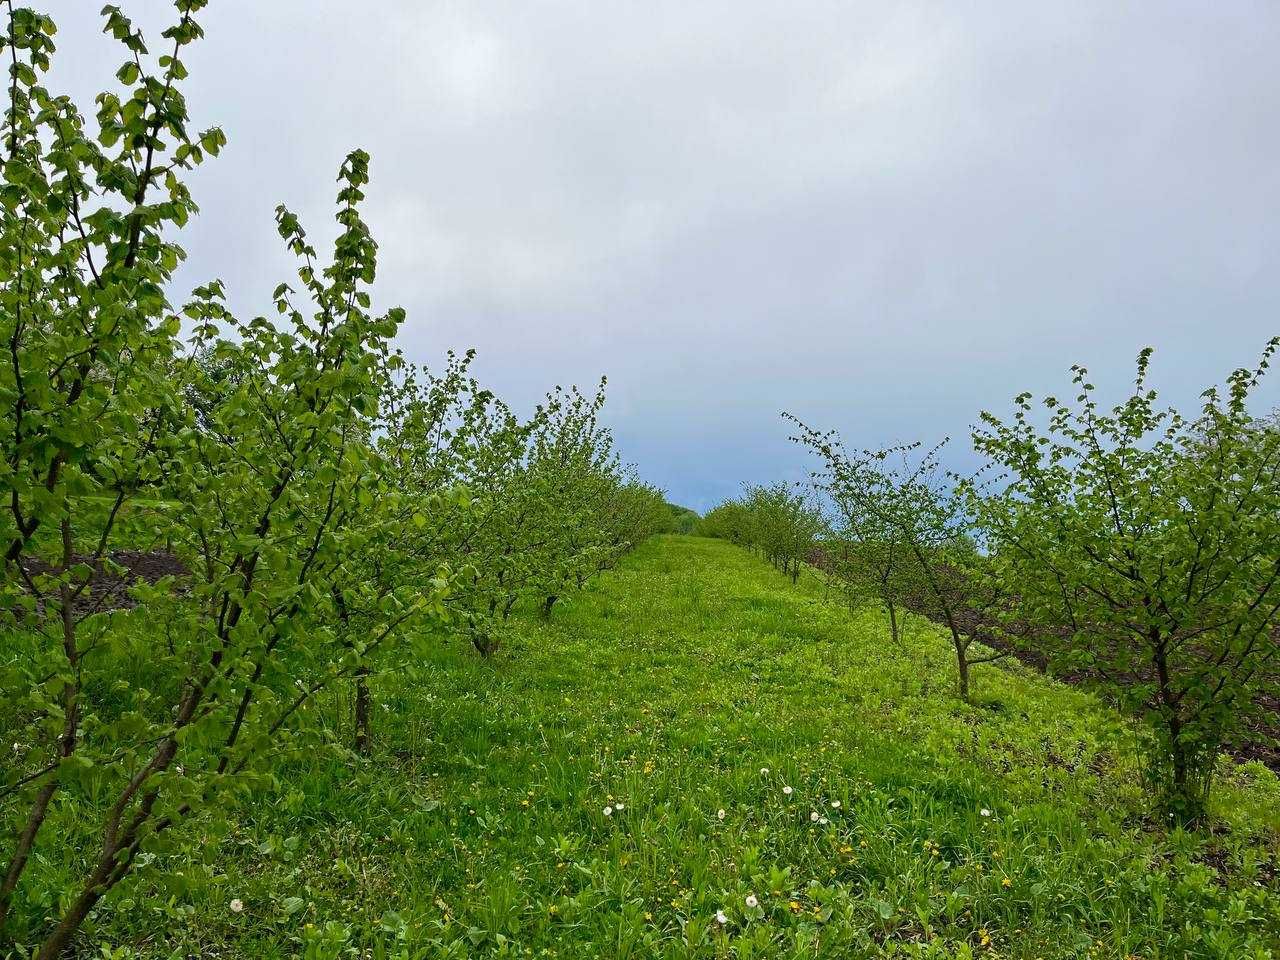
{"x": 690, "y": 735}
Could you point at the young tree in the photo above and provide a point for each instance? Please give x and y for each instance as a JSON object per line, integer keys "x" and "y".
{"x": 801, "y": 526}
{"x": 526, "y": 509}
{"x": 726, "y": 521}
{"x": 631, "y": 512}
{"x": 571, "y": 469}
{"x": 144, "y": 719}
{"x": 84, "y": 385}
{"x": 912, "y": 530}
{"x": 1151, "y": 538}
{"x": 783, "y": 523}
{"x": 867, "y": 554}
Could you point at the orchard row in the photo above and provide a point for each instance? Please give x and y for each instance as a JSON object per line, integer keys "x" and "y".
{"x": 1136, "y": 545}
{"x": 306, "y": 502}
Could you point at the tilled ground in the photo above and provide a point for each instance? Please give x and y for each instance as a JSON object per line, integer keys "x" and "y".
{"x": 109, "y": 587}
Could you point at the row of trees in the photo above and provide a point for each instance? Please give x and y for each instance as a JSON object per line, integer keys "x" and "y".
{"x": 780, "y": 522}
{"x": 1136, "y": 545}
{"x": 521, "y": 508}
{"x": 303, "y": 499}
{"x": 884, "y": 527}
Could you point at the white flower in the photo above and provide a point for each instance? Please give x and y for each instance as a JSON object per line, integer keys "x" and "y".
{"x": 608, "y": 811}
{"x": 823, "y": 820}
{"x": 985, "y": 812}
{"x": 814, "y": 816}
{"x": 764, "y": 771}
{"x": 721, "y": 918}
{"x": 835, "y": 804}
{"x": 620, "y": 807}
{"x": 236, "y": 905}
{"x": 787, "y": 791}
{"x": 752, "y": 902}
{"x": 720, "y": 814}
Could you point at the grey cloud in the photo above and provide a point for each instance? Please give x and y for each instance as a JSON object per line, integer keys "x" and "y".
{"x": 884, "y": 217}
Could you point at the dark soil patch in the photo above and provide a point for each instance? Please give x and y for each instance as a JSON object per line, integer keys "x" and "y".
{"x": 108, "y": 587}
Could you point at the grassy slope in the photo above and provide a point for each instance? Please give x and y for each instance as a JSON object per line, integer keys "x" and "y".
{"x": 664, "y": 691}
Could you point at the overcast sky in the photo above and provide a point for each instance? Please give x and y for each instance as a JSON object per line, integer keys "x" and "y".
{"x": 883, "y": 217}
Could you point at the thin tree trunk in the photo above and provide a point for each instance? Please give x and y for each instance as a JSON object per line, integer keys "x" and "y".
{"x": 1182, "y": 793}
{"x": 60, "y": 939}
{"x": 66, "y": 742}
{"x": 362, "y": 712}
{"x": 26, "y": 840}
{"x": 118, "y": 850}
{"x": 962, "y": 664}
{"x": 962, "y": 648}
{"x": 93, "y": 891}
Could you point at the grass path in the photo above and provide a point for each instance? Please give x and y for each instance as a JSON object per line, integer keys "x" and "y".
{"x": 614, "y": 778}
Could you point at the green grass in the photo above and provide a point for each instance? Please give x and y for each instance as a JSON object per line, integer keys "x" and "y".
{"x": 694, "y": 680}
